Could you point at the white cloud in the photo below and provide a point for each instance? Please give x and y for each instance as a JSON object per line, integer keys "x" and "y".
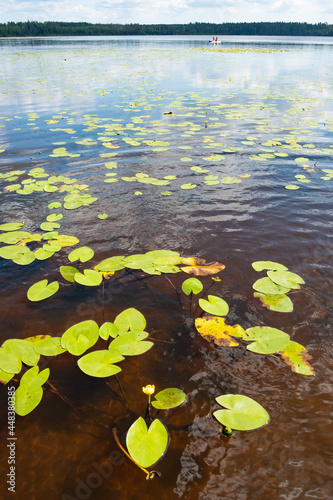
{"x": 168, "y": 11}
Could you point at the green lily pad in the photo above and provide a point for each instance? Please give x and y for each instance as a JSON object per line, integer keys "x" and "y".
{"x": 145, "y": 446}
{"x": 24, "y": 351}
{"x": 103, "y": 216}
{"x": 80, "y": 337}
{"x": 12, "y": 252}
{"x": 107, "y": 330}
{"x": 82, "y": 253}
{"x": 188, "y": 186}
{"x": 192, "y": 285}
{"x": 262, "y": 265}
{"x": 266, "y": 285}
{"x": 10, "y": 361}
{"x": 100, "y": 363}
{"x": 42, "y": 290}
{"x": 231, "y": 180}
{"x": 267, "y": 340}
{"x": 131, "y": 343}
{"x": 278, "y": 303}
{"x": 89, "y": 277}
{"x": 33, "y": 378}
{"x": 42, "y": 254}
{"x": 5, "y": 377}
{"x": 214, "y": 305}
{"x": 169, "y": 398}
{"x": 111, "y": 264}
{"x": 11, "y": 226}
{"x": 26, "y": 399}
{"x": 50, "y": 347}
{"x": 130, "y": 319}
{"x": 286, "y": 279}
{"x": 243, "y": 413}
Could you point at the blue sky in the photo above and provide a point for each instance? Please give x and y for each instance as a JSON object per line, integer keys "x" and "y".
{"x": 167, "y": 11}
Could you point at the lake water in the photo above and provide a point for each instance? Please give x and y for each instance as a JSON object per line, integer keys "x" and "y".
{"x": 220, "y": 109}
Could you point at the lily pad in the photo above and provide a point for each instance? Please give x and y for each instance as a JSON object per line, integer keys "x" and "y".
{"x": 145, "y": 446}
{"x": 131, "y": 343}
{"x": 278, "y": 303}
{"x": 68, "y": 272}
{"x": 296, "y": 356}
{"x": 100, "y": 363}
{"x": 262, "y": 265}
{"x": 267, "y": 340}
{"x": 214, "y": 305}
{"x": 82, "y": 253}
{"x": 266, "y": 285}
{"x": 169, "y": 398}
{"x": 11, "y": 226}
{"x": 89, "y": 277}
{"x": 213, "y": 328}
{"x": 26, "y": 399}
{"x": 107, "y": 330}
{"x": 286, "y": 279}
{"x": 80, "y": 337}
{"x": 192, "y": 285}
{"x": 130, "y": 319}
{"x": 50, "y": 347}
{"x": 42, "y": 290}
{"x": 243, "y": 413}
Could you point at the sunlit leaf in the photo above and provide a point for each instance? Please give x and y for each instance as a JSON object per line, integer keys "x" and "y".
{"x": 5, "y": 377}
{"x": 42, "y": 290}
{"x": 80, "y": 337}
{"x": 169, "y": 398}
{"x": 11, "y": 226}
{"x": 23, "y": 349}
{"x": 50, "y": 347}
{"x": 111, "y": 264}
{"x": 131, "y": 343}
{"x": 188, "y": 186}
{"x": 145, "y": 446}
{"x": 286, "y": 279}
{"x": 192, "y": 285}
{"x": 243, "y": 413}
{"x": 262, "y": 265}
{"x": 266, "y": 285}
{"x": 26, "y": 399}
{"x": 130, "y": 319}
{"x": 82, "y": 253}
{"x": 89, "y": 277}
{"x": 213, "y": 328}
{"x": 278, "y": 303}
{"x": 66, "y": 241}
{"x": 200, "y": 267}
{"x": 108, "y": 330}
{"x": 296, "y": 356}
{"x": 100, "y": 363}
{"x": 267, "y": 340}
{"x": 10, "y": 361}
{"x": 214, "y": 305}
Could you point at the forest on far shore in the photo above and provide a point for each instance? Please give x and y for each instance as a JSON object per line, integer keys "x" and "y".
{"x": 52, "y": 28}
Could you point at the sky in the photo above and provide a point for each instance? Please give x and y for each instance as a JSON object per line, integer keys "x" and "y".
{"x": 167, "y": 11}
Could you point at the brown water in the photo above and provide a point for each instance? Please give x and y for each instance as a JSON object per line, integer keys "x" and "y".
{"x": 252, "y": 92}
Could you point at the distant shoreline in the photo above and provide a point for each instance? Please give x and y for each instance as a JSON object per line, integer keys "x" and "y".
{"x": 53, "y": 28}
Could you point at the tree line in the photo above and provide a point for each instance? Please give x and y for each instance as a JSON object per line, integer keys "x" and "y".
{"x": 51, "y": 28}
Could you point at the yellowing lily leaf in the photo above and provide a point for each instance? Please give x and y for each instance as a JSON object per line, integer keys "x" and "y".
{"x": 296, "y": 356}
{"x": 199, "y": 267}
{"x": 213, "y": 328}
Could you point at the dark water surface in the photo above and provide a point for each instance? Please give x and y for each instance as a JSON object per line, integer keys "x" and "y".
{"x": 88, "y": 95}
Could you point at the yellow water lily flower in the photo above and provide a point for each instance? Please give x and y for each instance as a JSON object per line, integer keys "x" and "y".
{"x": 149, "y": 389}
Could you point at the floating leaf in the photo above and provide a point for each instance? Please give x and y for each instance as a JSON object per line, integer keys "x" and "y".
{"x": 266, "y": 285}
{"x": 80, "y": 337}
{"x": 286, "y": 279}
{"x": 100, "y": 363}
{"x": 131, "y": 343}
{"x": 89, "y": 277}
{"x": 111, "y": 264}
{"x": 278, "y": 303}
{"x": 24, "y": 351}
{"x": 262, "y": 265}
{"x": 169, "y": 398}
{"x": 292, "y": 187}
{"x": 267, "y": 340}
{"x": 102, "y": 216}
{"x": 192, "y": 285}
{"x": 50, "y": 347}
{"x": 214, "y": 328}
{"x": 66, "y": 241}
{"x": 5, "y": 377}
{"x": 214, "y": 305}
{"x": 11, "y": 226}
{"x": 188, "y": 186}
{"x": 200, "y": 267}
{"x": 9, "y": 360}
{"x": 12, "y": 252}
{"x": 82, "y": 253}
{"x": 108, "y": 330}
{"x": 68, "y": 272}
{"x": 130, "y": 319}
{"x": 145, "y": 446}
{"x": 42, "y": 290}
{"x": 230, "y": 180}
{"x": 243, "y": 413}
{"x": 25, "y": 399}
{"x": 296, "y": 356}
{"x": 33, "y": 378}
